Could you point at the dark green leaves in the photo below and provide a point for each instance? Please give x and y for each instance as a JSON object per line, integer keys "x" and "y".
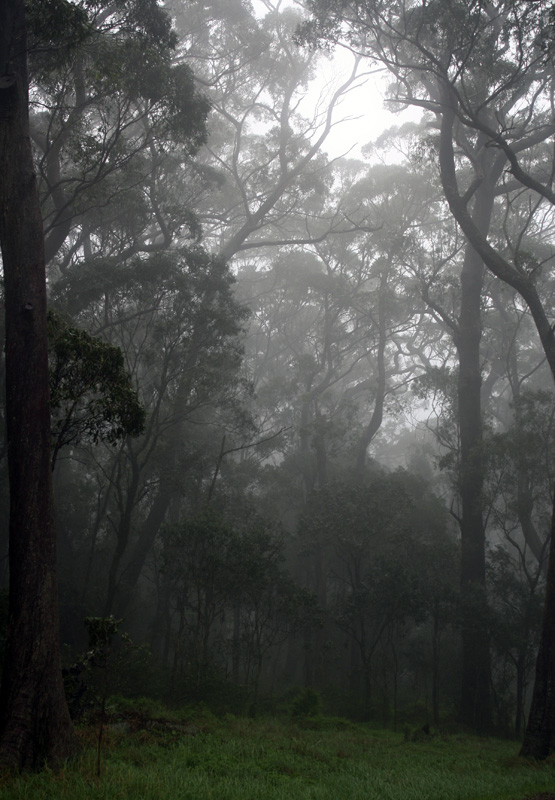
{"x": 91, "y": 393}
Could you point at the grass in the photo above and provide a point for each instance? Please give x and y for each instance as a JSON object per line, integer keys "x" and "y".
{"x": 242, "y": 759}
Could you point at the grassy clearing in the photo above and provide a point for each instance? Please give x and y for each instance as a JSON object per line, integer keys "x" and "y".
{"x": 242, "y": 759}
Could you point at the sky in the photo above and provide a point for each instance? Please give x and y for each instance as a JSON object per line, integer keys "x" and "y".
{"x": 364, "y": 108}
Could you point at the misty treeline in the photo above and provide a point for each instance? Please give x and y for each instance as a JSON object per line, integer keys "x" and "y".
{"x": 301, "y": 436}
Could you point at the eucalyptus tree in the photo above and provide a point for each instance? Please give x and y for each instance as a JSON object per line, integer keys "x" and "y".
{"x": 339, "y": 321}
{"x": 91, "y": 395}
{"x": 484, "y": 73}
{"x": 111, "y": 124}
{"x": 174, "y": 318}
{"x": 335, "y": 338}
{"x": 111, "y": 120}
{"x": 34, "y": 717}
{"x": 232, "y": 600}
{"x": 385, "y": 535}
{"x": 264, "y": 150}
{"x": 140, "y": 131}
{"x": 521, "y": 483}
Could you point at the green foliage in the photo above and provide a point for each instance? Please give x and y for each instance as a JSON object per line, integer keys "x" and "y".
{"x": 91, "y": 395}
{"x": 79, "y": 677}
{"x": 112, "y": 117}
{"x": 393, "y": 570}
{"x": 112, "y": 665}
{"x": 308, "y": 703}
{"x": 146, "y": 707}
{"x": 56, "y": 28}
{"x": 101, "y": 631}
{"x": 387, "y": 535}
{"x": 241, "y": 759}
{"x": 516, "y": 604}
{"x": 217, "y": 571}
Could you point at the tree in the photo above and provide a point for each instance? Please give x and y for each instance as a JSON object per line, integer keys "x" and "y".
{"x": 382, "y": 536}
{"x": 338, "y": 322}
{"x": 174, "y": 317}
{"x": 114, "y": 123}
{"x": 264, "y": 152}
{"x": 515, "y": 620}
{"x": 34, "y": 717}
{"x": 91, "y": 395}
{"x": 437, "y": 54}
{"x": 107, "y": 129}
{"x": 230, "y": 597}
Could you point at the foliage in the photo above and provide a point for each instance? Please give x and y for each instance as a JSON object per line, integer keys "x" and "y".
{"x": 110, "y": 113}
{"x": 78, "y": 677}
{"x": 247, "y": 759}
{"x": 308, "y": 703}
{"x": 91, "y": 393}
{"x": 353, "y": 578}
{"x": 219, "y": 572}
{"x": 516, "y": 609}
{"x": 55, "y": 27}
{"x": 521, "y": 463}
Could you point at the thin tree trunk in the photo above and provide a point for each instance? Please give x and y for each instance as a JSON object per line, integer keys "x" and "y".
{"x": 475, "y": 705}
{"x": 435, "y": 664}
{"x": 520, "y": 687}
{"x": 236, "y": 644}
{"x": 376, "y": 419}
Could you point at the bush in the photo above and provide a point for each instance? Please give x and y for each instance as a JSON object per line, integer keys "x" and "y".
{"x": 308, "y": 703}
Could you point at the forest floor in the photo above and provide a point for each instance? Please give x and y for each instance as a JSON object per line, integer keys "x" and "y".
{"x": 192, "y": 757}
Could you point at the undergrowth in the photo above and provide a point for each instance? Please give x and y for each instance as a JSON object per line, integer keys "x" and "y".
{"x": 188, "y": 757}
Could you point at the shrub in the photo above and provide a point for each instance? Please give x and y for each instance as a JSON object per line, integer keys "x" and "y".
{"x": 308, "y": 703}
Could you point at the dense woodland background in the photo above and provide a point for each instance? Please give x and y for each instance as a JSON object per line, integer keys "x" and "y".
{"x": 292, "y": 446}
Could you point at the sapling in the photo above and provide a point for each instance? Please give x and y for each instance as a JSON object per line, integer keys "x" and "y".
{"x": 101, "y": 632}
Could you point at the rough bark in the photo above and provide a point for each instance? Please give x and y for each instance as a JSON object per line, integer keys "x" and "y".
{"x": 539, "y": 740}
{"x": 34, "y": 718}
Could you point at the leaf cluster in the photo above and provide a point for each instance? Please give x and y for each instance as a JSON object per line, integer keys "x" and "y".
{"x": 91, "y": 395}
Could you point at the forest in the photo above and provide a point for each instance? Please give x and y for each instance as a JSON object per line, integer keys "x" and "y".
{"x": 277, "y": 420}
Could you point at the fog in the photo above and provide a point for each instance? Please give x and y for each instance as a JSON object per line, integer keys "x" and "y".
{"x": 301, "y": 411}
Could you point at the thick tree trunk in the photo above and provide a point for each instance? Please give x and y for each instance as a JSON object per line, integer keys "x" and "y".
{"x": 539, "y": 740}
{"x": 34, "y": 718}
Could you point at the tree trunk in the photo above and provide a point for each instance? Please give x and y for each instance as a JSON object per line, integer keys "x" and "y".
{"x": 475, "y": 706}
{"x": 34, "y": 718}
{"x": 376, "y": 419}
{"x": 436, "y": 637}
{"x": 520, "y": 692}
{"x": 539, "y": 740}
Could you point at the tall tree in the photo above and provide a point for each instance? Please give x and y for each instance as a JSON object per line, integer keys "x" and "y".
{"x": 34, "y": 718}
{"x": 265, "y": 144}
{"x": 437, "y": 54}
{"x": 114, "y": 125}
